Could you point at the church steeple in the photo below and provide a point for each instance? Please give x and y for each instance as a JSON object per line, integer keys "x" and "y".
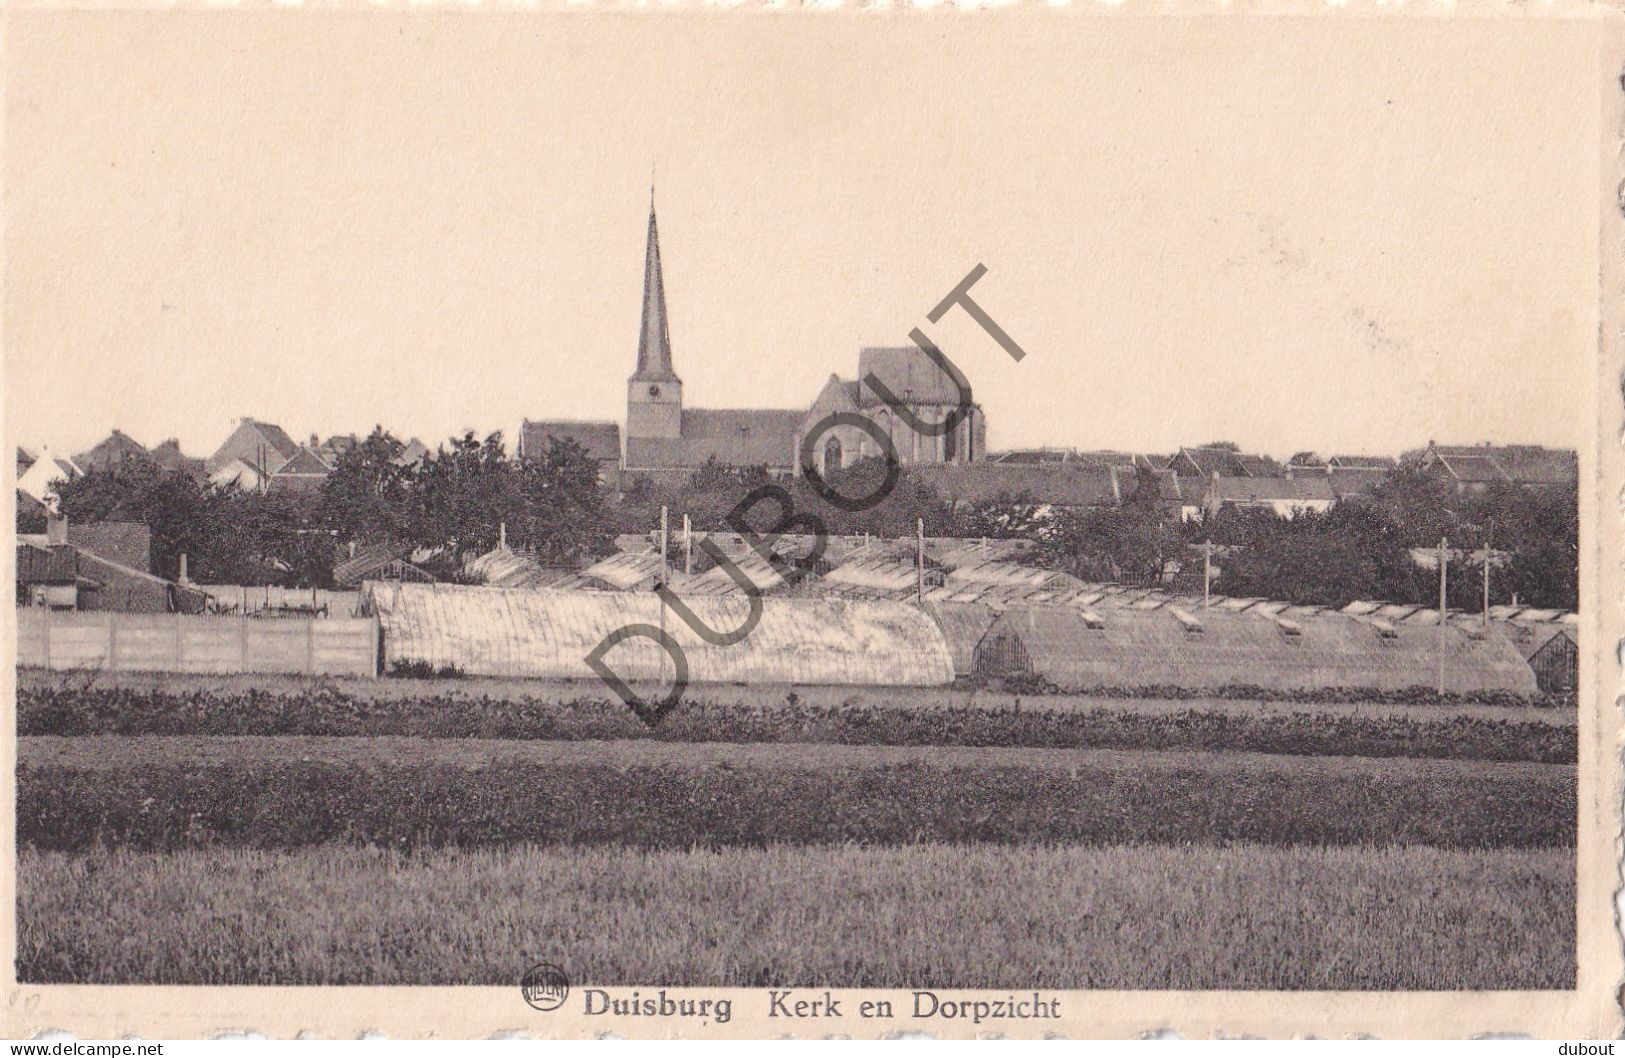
{"x": 654, "y": 341}
{"x": 654, "y": 393}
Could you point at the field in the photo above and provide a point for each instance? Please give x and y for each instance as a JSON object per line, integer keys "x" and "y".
{"x": 274, "y": 792}
{"x": 1123, "y": 917}
{"x": 405, "y": 831}
{"x": 1459, "y": 732}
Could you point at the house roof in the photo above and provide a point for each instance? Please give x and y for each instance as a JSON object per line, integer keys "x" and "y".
{"x": 1524, "y": 464}
{"x": 114, "y": 449}
{"x": 1210, "y": 461}
{"x": 737, "y": 436}
{"x": 127, "y": 543}
{"x": 36, "y": 481}
{"x": 1363, "y": 462}
{"x": 1268, "y": 489}
{"x": 600, "y": 438}
{"x": 1346, "y": 481}
{"x": 168, "y": 455}
{"x": 1033, "y": 455}
{"x": 1532, "y": 465}
{"x": 910, "y": 375}
{"x": 276, "y": 437}
{"x": 1059, "y": 484}
{"x": 68, "y": 563}
{"x": 306, "y": 461}
{"x": 1256, "y": 465}
{"x": 1168, "y": 487}
{"x": 47, "y": 565}
{"x": 1073, "y": 456}
{"x": 1473, "y": 468}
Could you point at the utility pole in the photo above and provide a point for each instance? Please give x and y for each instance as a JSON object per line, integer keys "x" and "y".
{"x": 1444, "y": 576}
{"x": 1207, "y": 573}
{"x": 1484, "y": 555}
{"x": 688, "y": 546}
{"x": 665, "y": 528}
{"x": 919, "y": 560}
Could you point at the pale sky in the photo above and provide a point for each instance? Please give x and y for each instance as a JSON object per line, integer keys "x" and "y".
{"x": 1307, "y": 235}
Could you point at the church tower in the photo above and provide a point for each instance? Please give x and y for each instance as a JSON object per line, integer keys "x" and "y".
{"x": 654, "y": 393}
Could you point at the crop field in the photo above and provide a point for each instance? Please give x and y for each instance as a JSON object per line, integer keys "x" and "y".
{"x": 1547, "y": 736}
{"x": 274, "y": 792}
{"x": 289, "y": 831}
{"x": 492, "y": 691}
{"x": 1123, "y": 917}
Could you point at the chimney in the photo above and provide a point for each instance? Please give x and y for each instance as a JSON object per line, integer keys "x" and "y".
{"x": 56, "y": 529}
{"x": 182, "y": 578}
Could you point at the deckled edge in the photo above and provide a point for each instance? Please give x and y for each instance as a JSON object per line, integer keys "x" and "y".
{"x": 1593, "y": 1011}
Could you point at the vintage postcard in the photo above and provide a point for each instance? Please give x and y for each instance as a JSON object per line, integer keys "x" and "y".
{"x": 705, "y": 522}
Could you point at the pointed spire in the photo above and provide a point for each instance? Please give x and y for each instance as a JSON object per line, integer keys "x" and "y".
{"x": 654, "y": 343}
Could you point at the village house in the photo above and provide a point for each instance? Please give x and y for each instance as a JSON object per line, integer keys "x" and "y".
{"x": 43, "y": 473}
{"x": 116, "y": 450}
{"x": 261, "y": 446}
{"x": 168, "y": 455}
{"x": 1285, "y": 497}
{"x": 1205, "y": 462}
{"x": 97, "y": 567}
{"x": 304, "y": 471}
{"x": 1474, "y": 468}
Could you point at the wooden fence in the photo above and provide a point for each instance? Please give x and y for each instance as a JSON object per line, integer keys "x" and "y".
{"x": 132, "y": 642}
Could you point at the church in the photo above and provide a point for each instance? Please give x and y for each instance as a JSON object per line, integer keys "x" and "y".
{"x": 666, "y": 441}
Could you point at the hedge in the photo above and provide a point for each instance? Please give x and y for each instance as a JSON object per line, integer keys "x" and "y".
{"x": 48, "y": 711}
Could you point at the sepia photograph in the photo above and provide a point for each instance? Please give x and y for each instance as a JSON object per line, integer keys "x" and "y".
{"x": 669, "y": 518}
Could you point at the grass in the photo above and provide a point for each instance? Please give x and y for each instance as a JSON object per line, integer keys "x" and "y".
{"x": 978, "y": 916}
{"x": 274, "y": 792}
{"x": 1305, "y": 730}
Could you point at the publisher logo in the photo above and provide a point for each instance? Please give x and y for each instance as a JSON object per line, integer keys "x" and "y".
{"x": 545, "y": 986}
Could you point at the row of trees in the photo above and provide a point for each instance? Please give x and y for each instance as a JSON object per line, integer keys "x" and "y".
{"x": 453, "y": 503}
{"x": 1362, "y": 548}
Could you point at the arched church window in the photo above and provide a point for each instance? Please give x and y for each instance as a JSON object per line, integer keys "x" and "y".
{"x": 832, "y": 454}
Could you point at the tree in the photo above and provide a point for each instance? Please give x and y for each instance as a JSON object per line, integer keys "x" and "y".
{"x": 712, "y": 492}
{"x": 1323, "y": 559}
{"x": 463, "y": 494}
{"x": 183, "y": 515}
{"x": 895, "y": 513}
{"x": 1134, "y": 541}
{"x": 1003, "y": 517}
{"x": 562, "y": 515}
{"x": 368, "y": 498}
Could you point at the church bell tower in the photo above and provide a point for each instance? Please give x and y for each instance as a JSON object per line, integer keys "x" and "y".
{"x": 654, "y": 393}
